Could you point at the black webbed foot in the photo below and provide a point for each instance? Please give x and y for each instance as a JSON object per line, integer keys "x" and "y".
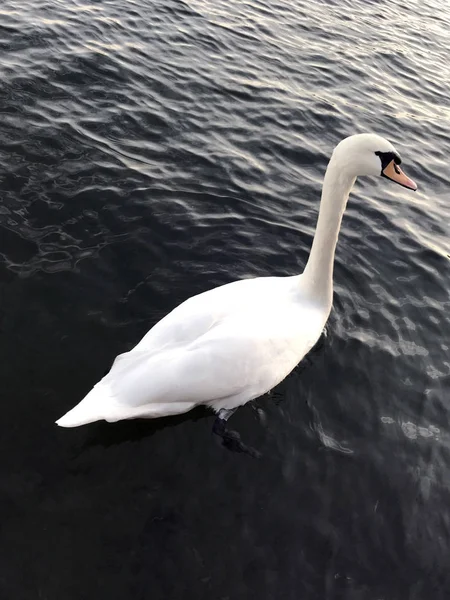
{"x": 232, "y": 439}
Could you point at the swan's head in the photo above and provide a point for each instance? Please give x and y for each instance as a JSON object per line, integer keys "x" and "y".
{"x": 370, "y": 154}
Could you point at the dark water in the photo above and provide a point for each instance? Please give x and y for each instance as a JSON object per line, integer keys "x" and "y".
{"x": 151, "y": 150}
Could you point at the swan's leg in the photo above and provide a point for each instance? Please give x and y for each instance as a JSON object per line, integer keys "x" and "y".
{"x": 225, "y": 413}
{"x": 231, "y": 439}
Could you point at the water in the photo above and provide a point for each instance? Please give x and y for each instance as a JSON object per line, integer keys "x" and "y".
{"x": 153, "y": 150}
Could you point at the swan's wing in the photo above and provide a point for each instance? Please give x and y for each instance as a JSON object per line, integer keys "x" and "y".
{"x": 242, "y": 357}
{"x": 239, "y": 358}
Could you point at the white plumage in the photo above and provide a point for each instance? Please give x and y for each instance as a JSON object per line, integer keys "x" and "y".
{"x": 234, "y": 343}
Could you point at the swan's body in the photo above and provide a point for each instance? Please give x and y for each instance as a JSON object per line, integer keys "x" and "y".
{"x": 220, "y": 348}
{"x": 236, "y": 342}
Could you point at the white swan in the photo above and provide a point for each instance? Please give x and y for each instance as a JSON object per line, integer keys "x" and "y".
{"x": 227, "y": 346}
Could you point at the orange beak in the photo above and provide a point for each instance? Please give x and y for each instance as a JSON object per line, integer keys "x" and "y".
{"x": 393, "y": 171}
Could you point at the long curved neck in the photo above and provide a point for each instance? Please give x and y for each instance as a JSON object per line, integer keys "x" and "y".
{"x": 318, "y": 273}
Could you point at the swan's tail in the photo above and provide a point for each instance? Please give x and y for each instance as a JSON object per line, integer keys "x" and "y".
{"x": 97, "y": 405}
{"x": 100, "y": 404}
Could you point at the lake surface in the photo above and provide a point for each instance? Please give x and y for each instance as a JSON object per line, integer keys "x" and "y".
{"x": 152, "y": 150}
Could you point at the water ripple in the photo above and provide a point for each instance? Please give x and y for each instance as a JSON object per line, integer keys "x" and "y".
{"x": 151, "y": 150}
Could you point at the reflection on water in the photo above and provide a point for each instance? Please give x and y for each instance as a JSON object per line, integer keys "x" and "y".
{"x": 413, "y": 431}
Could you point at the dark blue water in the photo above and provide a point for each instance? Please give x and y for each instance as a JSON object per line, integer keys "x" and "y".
{"x": 149, "y": 151}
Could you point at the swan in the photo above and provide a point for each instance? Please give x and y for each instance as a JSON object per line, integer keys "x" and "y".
{"x": 229, "y": 345}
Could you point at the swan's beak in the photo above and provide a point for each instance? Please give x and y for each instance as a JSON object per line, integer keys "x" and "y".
{"x": 393, "y": 171}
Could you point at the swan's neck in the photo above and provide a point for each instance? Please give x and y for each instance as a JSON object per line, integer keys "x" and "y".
{"x": 318, "y": 274}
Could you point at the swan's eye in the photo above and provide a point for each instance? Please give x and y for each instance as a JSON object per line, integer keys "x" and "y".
{"x": 388, "y": 157}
